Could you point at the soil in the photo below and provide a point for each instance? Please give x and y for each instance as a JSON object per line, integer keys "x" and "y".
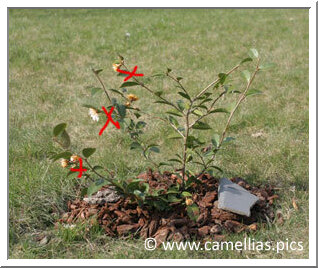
{"x": 127, "y": 218}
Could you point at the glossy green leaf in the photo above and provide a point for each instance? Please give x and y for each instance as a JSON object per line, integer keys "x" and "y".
{"x": 129, "y": 84}
{"x": 97, "y": 71}
{"x": 197, "y": 112}
{"x": 96, "y": 186}
{"x": 154, "y": 149}
{"x": 228, "y": 139}
{"x": 253, "y": 53}
{"x": 64, "y": 155}
{"x": 222, "y": 77}
{"x": 216, "y": 140}
{"x": 193, "y": 212}
{"x": 247, "y": 75}
{"x": 58, "y": 129}
{"x": 175, "y": 137}
{"x": 64, "y": 140}
{"x": 175, "y": 160}
{"x": 121, "y": 110}
{"x": 135, "y": 145}
{"x": 184, "y": 95}
{"x": 158, "y": 93}
{"x": 246, "y": 60}
{"x": 173, "y": 120}
{"x": 219, "y": 110}
{"x": 176, "y": 113}
{"x": 172, "y": 198}
{"x": 267, "y": 66}
{"x": 186, "y": 194}
{"x": 201, "y": 125}
{"x": 140, "y": 124}
{"x": 181, "y": 104}
{"x": 87, "y": 152}
{"x": 252, "y": 92}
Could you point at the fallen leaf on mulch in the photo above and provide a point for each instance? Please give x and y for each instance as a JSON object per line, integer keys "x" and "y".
{"x": 127, "y": 217}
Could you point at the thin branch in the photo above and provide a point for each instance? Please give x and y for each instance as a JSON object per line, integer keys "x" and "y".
{"x": 103, "y": 85}
{"x": 178, "y": 81}
{"x": 209, "y": 110}
{"x": 241, "y": 98}
{"x": 214, "y": 82}
{"x": 152, "y": 92}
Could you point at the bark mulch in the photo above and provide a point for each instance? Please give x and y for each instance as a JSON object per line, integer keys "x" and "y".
{"x": 127, "y": 218}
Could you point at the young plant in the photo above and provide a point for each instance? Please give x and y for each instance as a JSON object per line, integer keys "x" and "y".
{"x": 185, "y": 116}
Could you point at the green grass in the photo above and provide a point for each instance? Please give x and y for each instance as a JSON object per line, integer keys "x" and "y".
{"x": 50, "y": 56}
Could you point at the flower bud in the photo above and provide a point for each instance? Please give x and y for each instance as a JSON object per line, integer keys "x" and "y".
{"x": 189, "y": 201}
{"x": 64, "y": 163}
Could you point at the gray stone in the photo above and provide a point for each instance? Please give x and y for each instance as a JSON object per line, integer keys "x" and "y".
{"x": 109, "y": 195}
{"x": 235, "y": 198}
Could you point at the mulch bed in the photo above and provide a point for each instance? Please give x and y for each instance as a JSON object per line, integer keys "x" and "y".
{"x": 127, "y": 218}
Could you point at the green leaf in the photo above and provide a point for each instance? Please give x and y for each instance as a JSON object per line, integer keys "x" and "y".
{"x": 64, "y": 155}
{"x": 179, "y": 78}
{"x": 184, "y": 95}
{"x": 116, "y": 91}
{"x": 217, "y": 168}
{"x": 58, "y": 129}
{"x": 246, "y": 60}
{"x": 139, "y": 194}
{"x": 175, "y": 137}
{"x": 219, "y": 110}
{"x": 122, "y": 75}
{"x": 216, "y": 140}
{"x": 158, "y": 75}
{"x": 175, "y": 160}
{"x": 173, "y": 121}
{"x": 96, "y": 186}
{"x": 137, "y": 115}
{"x": 222, "y": 77}
{"x": 64, "y": 139}
{"x": 228, "y": 139}
{"x": 176, "y": 113}
{"x": 97, "y": 167}
{"x": 154, "y": 149}
{"x": 267, "y": 66}
{"x": 87, "y": 152}
{"x": 193, "y": 212}
{"x": 197, "y": 112}
{"x": 140, "y": 124}
{"x": 246, "y": 75}
{"x": 253, "y": 53}
{"x": 159, "y": 93}
{"x": 201, "y": 125}
{"x": 162, "y": 102}
{"x": 133, "y": 185}
{"x": 186, "y": 194}
{"x": 95, "y": 90}
{"x": 121, "y": 110}
{"x": 135, "y": 145}
{"x": 164, "y": 164}
{"x": 252, "y": 92}
{"x": 129, "y": 84}
{"x": 172, "y": 198}
{"x": 181, "y": 105}
{"x": 97, "y": 71}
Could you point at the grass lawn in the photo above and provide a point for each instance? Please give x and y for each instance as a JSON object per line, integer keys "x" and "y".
{"x": 51, "y": 53}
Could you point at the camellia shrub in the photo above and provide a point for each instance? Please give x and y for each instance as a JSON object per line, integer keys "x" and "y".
{"x": 185, "y": 116}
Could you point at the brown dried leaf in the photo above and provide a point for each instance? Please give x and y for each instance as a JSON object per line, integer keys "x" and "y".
{"x": 295, "y": 204}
